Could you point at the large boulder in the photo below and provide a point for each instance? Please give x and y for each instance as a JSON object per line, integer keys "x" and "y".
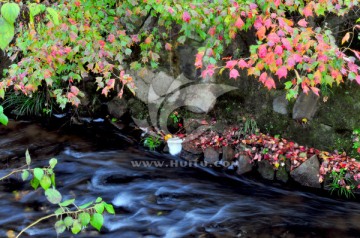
{"x": 244, "y": 164}
{"x": 282, "y": 175}
{"x": 307, "y": 174}
{"x": 266, "y": 169}
{"x": 117, "y": 107}
{"x": 280, "y": 104}
{"x": 211, "y": 156}
{"x": 228, "y": 154}
{"x": 305, "y": 106}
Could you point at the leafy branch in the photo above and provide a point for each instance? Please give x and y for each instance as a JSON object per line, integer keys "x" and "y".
{"x": 75, "y": 218}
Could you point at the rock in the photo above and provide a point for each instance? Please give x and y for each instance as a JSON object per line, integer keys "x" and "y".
{"x": 186, "y": 54}
{"x": 280, "y": 105}
{"x": 166, "y": 149}
{"x": 282, "y": 175}
{"x": 244, "y": 164}
{"x": 307, "y": 174}
{"x": 190, "y": 156}
{"x": 305, "y": 106}
{"x": 117, "y": 107}
{"x": 5, "y": 62}
{"x": 266, "y": 170}
{"x": 192, "y": 148}
{"x": 211, "y": 156}
{"x": 228, "y": 154}
{"x": 191, "y": 124}
{"x": 201, "y": 98}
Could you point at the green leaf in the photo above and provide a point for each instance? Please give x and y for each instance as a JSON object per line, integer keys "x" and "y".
{"x": 25, "y": 175}
{"x": 86, "y": 205}
{"x": 76, "y": 228}
{"x": 99, "y": 199}
{"x": 53, "y": 162}
{"x": 97, "y": 221}
{"x": 52, "y": 177}
{"x": 53, "y": 15}
{"x": 38, "y": 173}
{"x": 35, "y": 9}
{"x": 59, "y": 227}
{"x": 27, "y": 157}
{"x": 45, "y": 182}
{"x": 4, "y": 119}
{"x": 58, "y": 211}
{"x": 84, "y": 218}
{"x": 53, "y": 196}
{"x": 7, "y": 32}
{"x": 67, "y": 202}
{"x": 109, "y": 208}
{"x": 10, "y": 11}
{"x": 34, "y": 183}
{"x": 99, "y": 208}
{"x": 68, "y": 221}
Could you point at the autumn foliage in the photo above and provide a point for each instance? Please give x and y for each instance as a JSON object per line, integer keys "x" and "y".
{"x": 105, "y": 39}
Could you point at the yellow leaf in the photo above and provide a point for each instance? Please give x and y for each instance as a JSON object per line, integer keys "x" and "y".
{"x": 345, "y": 38}
{"x": 168, "y": 136}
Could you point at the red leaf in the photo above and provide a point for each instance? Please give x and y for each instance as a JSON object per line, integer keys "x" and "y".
{"x": 278, "y": 50}
{"x": 358, "y": 79}
{"x": 242, "y": 64}
{"x": 111, "y": 38}
{"x": 262, "y": 51}
{"x": 230, "y": 64}
{"x": 261, "y": 32}
{"x": 212, "y": 31}
{"x": 263, "y": 77}
{"x": 270, "y": 83}
{"x": 239, "y": 23}
{"x": 281, "y": 72}
{"x": 308, "y": 10}
{"x": 234, "y": 73}
{"x": 315, "y": 90}
{"x": 302, "y": 23}
{"x": 186, "y": 17}
{"x": 286, "y": 43}
{"x": 168, "y": 46}
{"x": 74, "y": 90}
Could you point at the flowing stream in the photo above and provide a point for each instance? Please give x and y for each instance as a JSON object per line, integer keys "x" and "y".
{"x": 156, "y": 202}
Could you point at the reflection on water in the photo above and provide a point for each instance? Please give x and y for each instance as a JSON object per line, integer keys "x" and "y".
{"x": 172, "y": 202}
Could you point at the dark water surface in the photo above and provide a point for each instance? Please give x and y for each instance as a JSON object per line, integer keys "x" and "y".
{"x": 157, "y": 202}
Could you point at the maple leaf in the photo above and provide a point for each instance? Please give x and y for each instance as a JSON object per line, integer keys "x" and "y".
{"x": 281, "y": 72}
{"x": 212, "y": 31}
{"x": 74, "y": 90}
{"x": 208, "y": 71}
{"x": 270, "y": 83}
{"x": 234, "y": 73}
{"x": 315, "y": 90}
{"x": 170, "y": 10}
{"x": 286, "y": 43}
{"x": 242, "y": 64}
{"x": 239, "y": 23}
{"x": 230, "y": 64}
{"x": 278, "y": 50}
{"x": 262, "y": 51}
{"x": 357, "y": 78}
{"x": 186, "y": 17}
{"x": 302, "y": 23}
{"x": 305, "y": 88}
{"x": 111, "y": 38}
{"x": 261, "y": 32}
{"x": 307, "y": 11}
{"x": 263, "y": 77}
{"x": 168, "y": 46}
